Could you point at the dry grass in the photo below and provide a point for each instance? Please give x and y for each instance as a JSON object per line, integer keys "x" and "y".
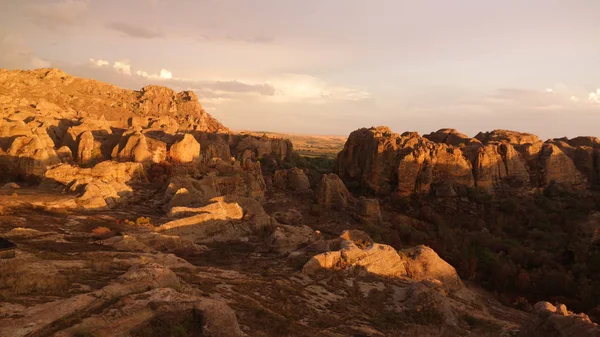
{"x": 17, "y": 279}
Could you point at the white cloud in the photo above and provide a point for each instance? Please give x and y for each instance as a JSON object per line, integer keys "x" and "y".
{"x": 99, "y": 63}
{"x": 290, "y": 88}
{"x": 164, "y": 73}
{"x": 594, "y": 97}
{"x": 310, "y": 89}
{"x": 550, "y": 90}
{"x": 574, "y": 98}
{"x": 122, "y": 67}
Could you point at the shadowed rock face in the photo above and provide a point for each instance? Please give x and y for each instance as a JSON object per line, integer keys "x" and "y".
{"x": 557, "y": 321}
{"x": 446, "y": 161}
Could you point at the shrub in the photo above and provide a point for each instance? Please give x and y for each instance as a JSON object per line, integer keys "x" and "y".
{"x": 143, "y": 221}
{"x": 316, "y": 210}
{"x": 509, "y": 206}
{"x": 102, "y": 233}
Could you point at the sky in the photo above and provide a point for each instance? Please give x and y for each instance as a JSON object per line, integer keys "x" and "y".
{"x": 332, "y": 66}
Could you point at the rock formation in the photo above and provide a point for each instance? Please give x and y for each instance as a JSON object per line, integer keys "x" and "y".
{"x": 293, "y": 179}
{"x": 185, "y": 150}
{"x": 332, "y": 192}
{"x": 447, "y": 162}
{"x": 555, "y": 321}
{"x": 100, "y": 186}
{"x": 221, "y": 220}
{"x": 356, "y": 250}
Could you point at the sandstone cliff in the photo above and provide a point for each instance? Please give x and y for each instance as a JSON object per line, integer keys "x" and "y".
{"x": 446, "y": 162}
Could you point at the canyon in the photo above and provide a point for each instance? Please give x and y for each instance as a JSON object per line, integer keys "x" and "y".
{"x": 136, "y": 213}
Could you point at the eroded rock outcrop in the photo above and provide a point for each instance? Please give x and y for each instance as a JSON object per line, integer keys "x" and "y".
{"x": 125, "y": 307}
{"x": 100, "y": 186}
{"x": 223, "y": 178}
{"x": 224, "y": 219}
{"x": 355, "y": 250}
{"x": 248, "y": 146}
{"x": 31, "y": 156}
{"x": 293, "y": 179}
{"x": 557, "y": 321}
{"x": 446, "y": 162}
{"x": 53, "y": 92}
{"x": 367, "y": 210}
{"x": 332, "y": 192}
{"x": 185, "y": 150}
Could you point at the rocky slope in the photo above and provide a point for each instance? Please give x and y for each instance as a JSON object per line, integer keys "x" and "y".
{"x": 49, "y": 117}
{"x": 447, "y": 163}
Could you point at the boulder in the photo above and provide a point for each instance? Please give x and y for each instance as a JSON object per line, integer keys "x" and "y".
{"x": 423, "y": 263}
{"x": 358, "y": 252}
{"x": 368, "y": 210}
{"x": 293, "y": 179}
{"x": 132, "y": 147}
{"x": 65, "y": 154}
{"x": 186, "y": 150}
{"x": 224, "y": 219}
{"x": 30, "y": 156}
{"x": 285, "y": 239}
{"x": 85, "y": 148}
{"x": 332, "y": 192}
{"x": 376, "y": 259}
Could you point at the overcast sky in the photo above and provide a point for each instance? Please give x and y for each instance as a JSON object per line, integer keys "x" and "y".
{"x": 331, "y": 66}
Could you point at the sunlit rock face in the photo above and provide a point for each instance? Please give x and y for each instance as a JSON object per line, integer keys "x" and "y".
{"x": 445, "y": 163}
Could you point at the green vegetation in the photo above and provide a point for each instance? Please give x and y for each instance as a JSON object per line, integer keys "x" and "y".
{"x": 320, "y": 164}
{"x": 527, "y": 248}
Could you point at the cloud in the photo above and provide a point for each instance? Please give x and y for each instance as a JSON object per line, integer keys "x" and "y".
{"x": 122, "y": 67}
{"x": 55, "y": 14}
{"x": 240, "y": 87}
{"x": 310, "y": 89}
{"x": 133, "y": 31}
{"x": 291, "y": 88}
{"x": 594, "y": 97}
{"x": 99, "y": 63}
{"x": 15, "y": 54}
{"x": 165, "y": 74}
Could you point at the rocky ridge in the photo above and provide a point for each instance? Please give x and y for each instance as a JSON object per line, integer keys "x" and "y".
{"x": 447, "y": 163}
